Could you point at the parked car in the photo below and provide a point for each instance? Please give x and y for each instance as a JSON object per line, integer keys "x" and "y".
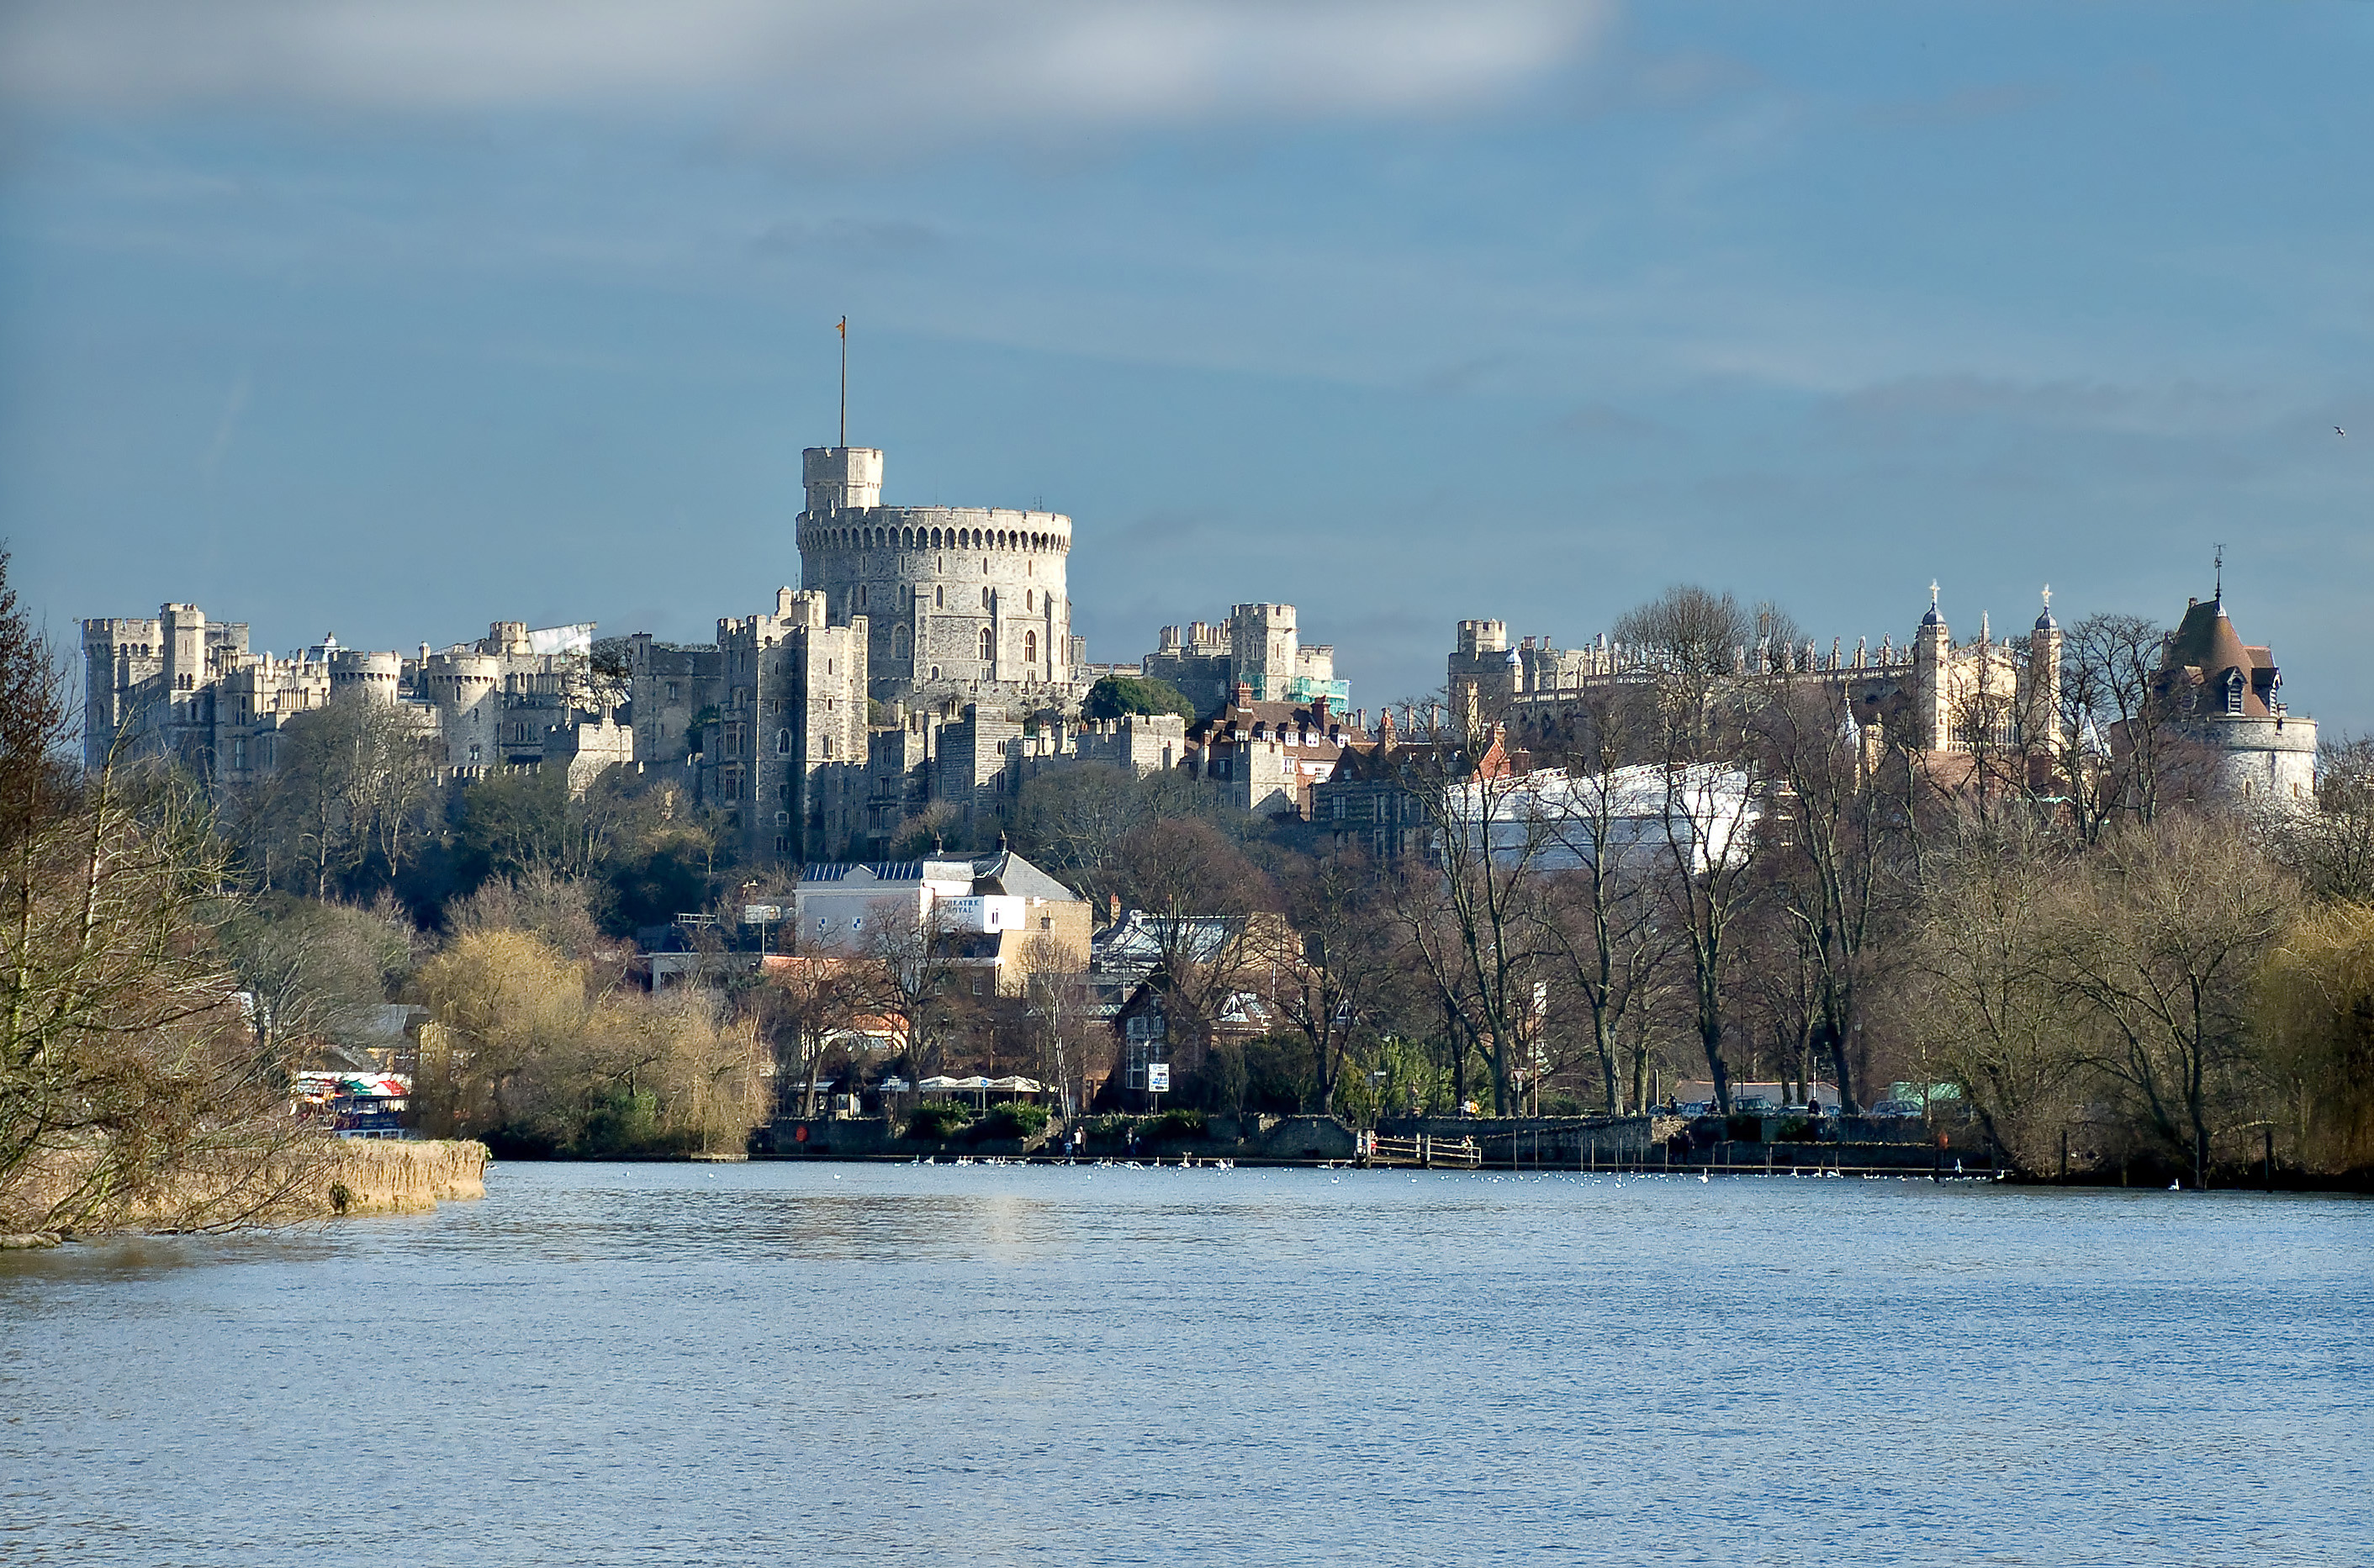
{"x": 1896, "y": 1108}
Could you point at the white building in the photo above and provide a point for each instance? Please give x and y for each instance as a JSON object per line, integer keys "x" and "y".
{"x": 1554, "y": 820}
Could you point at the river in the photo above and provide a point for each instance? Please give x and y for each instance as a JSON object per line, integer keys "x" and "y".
{"x": 774, "y": 1363}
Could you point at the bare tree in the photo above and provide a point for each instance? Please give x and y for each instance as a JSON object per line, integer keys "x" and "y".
{"x": 1470, "y": 915}
{"x": 1600, "y": 917}
{"x": 1985, "y": 962}
{"x": 2164, "y": 947}
{"x": 2332, "y": 848}
{"x": 350, "y": 797}
{"x": 311, "y": 970}
{"x": 1339, "y": 958}
{"x": 916, "y": 962}
{"x": 2115, "y": 752}
{"x": 1709, "y": 851}
{"x": 1079, "y": 821}
{"x": 802, "y": 1004}
{"x": 1688, "y": 630}
{"x": 1841, "y": 872}
{"x": 1211, "y": 914}
{"x": 1063, "y": 1018}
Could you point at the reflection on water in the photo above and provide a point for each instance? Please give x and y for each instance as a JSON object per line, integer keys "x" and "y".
{"x": 765, "y": 1364}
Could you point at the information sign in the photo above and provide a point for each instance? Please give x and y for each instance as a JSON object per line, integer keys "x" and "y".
{"x": 1158, "y": 1078}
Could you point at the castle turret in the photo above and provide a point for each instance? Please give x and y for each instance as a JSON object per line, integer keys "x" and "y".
{"x": 1484, "y": 663}
{"x": 1933, "y": 649}
{"x": 1263, "y": 646}
{"x": 2043, "y": 716}
{"x": 370, "y": 676}
{"x": 185, "y": 646}
{"x": 841, "y": 478}
{"x": 964, "y": 601}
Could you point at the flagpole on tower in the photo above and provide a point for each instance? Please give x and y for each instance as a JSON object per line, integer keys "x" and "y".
{"x": 842, "y": 328}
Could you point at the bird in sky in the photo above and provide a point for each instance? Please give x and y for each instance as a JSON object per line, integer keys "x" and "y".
{"x": 2339, "y": 431}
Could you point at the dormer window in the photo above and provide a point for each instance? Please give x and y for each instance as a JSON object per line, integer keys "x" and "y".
{"x": 2235, "y": 687}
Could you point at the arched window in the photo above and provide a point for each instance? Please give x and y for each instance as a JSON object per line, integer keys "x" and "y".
{"x": 939, "y": 599}
{"x": 1030, "y": 599}
{"x": 861, "y": 596}
{"x": 782, "y": 743}
{"x": 898, "y": 642}
{"x": 988, "y": 648}
{"x": 984, "y": 596}
{"x": 1030, "y": 649}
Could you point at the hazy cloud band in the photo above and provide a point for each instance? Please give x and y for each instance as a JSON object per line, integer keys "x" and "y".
{"x": 798, "y": 62}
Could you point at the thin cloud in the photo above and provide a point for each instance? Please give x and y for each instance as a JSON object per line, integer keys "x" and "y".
{"x": 799, "y": 66}
{"x": 227, "y": 427}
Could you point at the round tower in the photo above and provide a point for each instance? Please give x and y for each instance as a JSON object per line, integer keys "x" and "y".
{"x": 371, "y": 677}
{"x": 1933, "y": 658}
{"x": 2043, "y": 695}
{"x": 967, "y": 601}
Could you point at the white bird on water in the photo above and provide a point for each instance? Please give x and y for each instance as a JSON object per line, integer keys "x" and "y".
{"x": 1702, "y": 1175}
{"x": 2176, "y": 1187}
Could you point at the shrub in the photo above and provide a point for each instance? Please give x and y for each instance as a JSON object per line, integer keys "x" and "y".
{"x": 1172, "y": 1125}
{"x": 620, "y": 1122}
{"x": 1114, "y": 695}
{"x": 1018, "y": 1120}
{"x": 1796, "y": 1129}
{"x": 1278, "y": 1076}
{"x": 1744, "y": 1127}
{"x": 1110, "y": 1129}
{"x": 935, "y": 1119}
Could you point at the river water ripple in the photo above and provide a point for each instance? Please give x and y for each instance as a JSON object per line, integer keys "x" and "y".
{"x": 773, "y": 1364}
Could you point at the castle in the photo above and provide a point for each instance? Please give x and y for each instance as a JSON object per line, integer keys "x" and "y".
{"x": 1953, "y": 703}
{"x": 1258, "y": 648}
{"x": 184, "y": 687}
{"x": 926, "y": 662}
{"x": 927, "y": 668}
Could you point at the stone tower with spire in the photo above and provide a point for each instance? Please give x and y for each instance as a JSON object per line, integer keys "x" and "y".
{"x": 1933, "y": 693}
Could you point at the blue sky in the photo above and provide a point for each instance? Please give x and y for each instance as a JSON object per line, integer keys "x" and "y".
{"x": 394, "y": 320}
